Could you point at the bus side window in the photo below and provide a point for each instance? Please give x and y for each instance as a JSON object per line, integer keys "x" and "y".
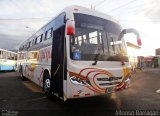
{"x": 76, "y": 41}
{"x": 4, "y": 55}
{"x": 93, "y": 38}
{"x": 80, "y": 40}
{"x": 25, "y": 46}
{"x": 39, "y": 39}
{"x": 15, "y": 58}
{"x": 84, "y": 39}
{"x": 49, "y": 34}
{"x": 29, "y": 44}
{"x": 0, "y": 54}
{"x": 33, "y": 42}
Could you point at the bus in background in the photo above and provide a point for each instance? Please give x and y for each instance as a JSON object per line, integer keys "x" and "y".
{"x": 133, "y": 55}
{"x": 79, "y": 53}
{"x": 8, "y": 60}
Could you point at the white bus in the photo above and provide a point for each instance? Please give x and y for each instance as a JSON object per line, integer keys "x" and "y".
{"x": 8, "y": 60}
{"x": 79, "y": 53}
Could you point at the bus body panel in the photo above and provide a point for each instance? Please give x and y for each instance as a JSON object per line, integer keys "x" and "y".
{"x": 34, "y": 67}
{"x": 106, "y": 71}
{"x": 78, "y": 89}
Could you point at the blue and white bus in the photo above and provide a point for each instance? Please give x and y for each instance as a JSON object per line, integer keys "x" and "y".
{"x": 8, "y": 60}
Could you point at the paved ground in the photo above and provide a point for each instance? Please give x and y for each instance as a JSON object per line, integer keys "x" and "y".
{"x": 25, "y": 98}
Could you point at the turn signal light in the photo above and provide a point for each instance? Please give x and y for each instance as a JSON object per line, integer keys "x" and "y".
{"x": 70, "y": 27}
{"x": 139, "y": 42}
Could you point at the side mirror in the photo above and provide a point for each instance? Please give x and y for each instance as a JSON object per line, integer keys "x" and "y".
{"x": 131, "y": 30}
{"x": 70, "y": 27}
{"x": 139, "y": 42}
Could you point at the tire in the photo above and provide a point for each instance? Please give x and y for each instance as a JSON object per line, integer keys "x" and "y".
{"x": 47, "y": 86}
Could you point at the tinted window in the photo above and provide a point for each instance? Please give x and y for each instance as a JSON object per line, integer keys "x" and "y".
{"x": 49, "y": 34}
{"x": 39, "y": 39}
{"x": 95, "y": 35}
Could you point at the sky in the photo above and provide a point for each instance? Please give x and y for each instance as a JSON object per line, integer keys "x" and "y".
{"x": 19, "y": 19}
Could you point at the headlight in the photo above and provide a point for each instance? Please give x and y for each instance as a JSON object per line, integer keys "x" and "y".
{"x": 79, "y": 81}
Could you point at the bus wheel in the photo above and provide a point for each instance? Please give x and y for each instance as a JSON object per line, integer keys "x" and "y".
{"x": 46, "y": 86}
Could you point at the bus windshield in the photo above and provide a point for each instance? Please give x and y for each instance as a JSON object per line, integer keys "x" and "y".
{"x": 95, "y": 35}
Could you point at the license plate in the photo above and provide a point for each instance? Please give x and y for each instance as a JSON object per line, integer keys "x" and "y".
{"x": 109, "y": 90}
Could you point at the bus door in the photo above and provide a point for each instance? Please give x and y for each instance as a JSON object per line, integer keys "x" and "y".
{"x": 57, "y": 63}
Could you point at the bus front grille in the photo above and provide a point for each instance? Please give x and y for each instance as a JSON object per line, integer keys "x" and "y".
{"x": 110, "y": 81}
{"x": 107, "y": 84}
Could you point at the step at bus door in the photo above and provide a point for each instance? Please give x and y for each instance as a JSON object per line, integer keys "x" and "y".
{"x": 57, "y": 63}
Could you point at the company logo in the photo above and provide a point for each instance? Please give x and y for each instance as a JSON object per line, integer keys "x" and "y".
{"x": 109, "y": 79}
{"x": 45, "y": 54}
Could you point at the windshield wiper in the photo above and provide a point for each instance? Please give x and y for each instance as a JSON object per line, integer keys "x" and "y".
{"x": 97, "y": 55}
{"x": 96, "y": 59}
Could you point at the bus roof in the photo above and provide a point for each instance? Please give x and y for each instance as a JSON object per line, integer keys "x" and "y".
{"x": 8, "y": 51}
{"x": 83, "y": 10}
{"x": 76, "y": 9}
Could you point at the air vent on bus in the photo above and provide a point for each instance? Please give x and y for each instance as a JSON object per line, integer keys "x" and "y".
{"x": 106, "y": 84}
{"x": 109, "y": 79}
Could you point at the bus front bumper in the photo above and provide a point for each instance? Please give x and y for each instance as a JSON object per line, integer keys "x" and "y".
{"x": 126, "y": 84}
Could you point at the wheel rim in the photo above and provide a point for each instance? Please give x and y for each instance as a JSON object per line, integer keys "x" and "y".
{"x": 47, "y": 85}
